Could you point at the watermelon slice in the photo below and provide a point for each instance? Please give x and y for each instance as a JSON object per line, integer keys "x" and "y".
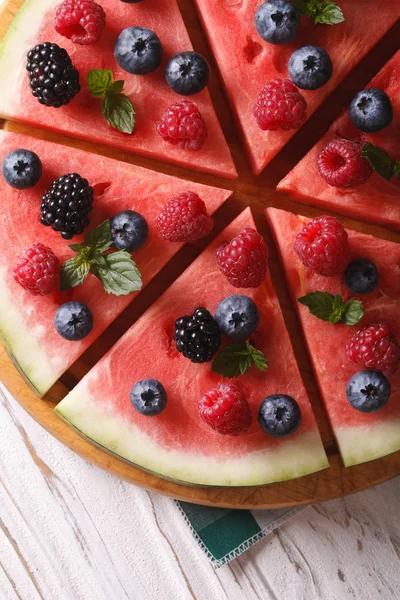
{"x": 150, "y": 94}
{"x": 361, "y": 437}
{"x": 176, "y": 444}
{"x": 26, "y": 322}
{"x": 247, "y": 63}
{"x": 377, "y": 200}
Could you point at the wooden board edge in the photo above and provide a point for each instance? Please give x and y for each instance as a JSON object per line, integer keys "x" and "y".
{"x": 325, "y": 485}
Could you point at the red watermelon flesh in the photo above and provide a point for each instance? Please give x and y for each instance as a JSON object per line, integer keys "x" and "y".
{"x": 176, "y": 444}
{"x": 361, "y": 437}
{"x": 149, "y": 94}
{"x": 377, "y": 200}
{"x": 247, "y": 63}
{"x": 26, "y": 322}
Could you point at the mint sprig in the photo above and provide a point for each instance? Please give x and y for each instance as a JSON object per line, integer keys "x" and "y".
{"x": 236, "y": 359}
{"x": 116, "y": 271}
{"x": 333, "y": 309}
{"x": 381, "y": 161}
{"x": 116, "y": 107}
{"x": 321, "y": 12}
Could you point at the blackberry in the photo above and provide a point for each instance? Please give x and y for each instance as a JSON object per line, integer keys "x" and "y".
{"x": 65, "y": 207}
{"x": 197, "y": 337}
{"x": 53, "y": 78}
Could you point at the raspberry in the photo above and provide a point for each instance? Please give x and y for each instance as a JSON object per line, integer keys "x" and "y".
{"x": 81, "y": 21}
{"x": 280, "y": 105}
{"x": 182, "y": 125}
{"x": 244, "y": 259}
{"x": 341, "y": 165}
{"x": 322, "y": 245}
{"x": 225, "y": 409}
{"x": 184, "y": 219}
{"x": 374, "y": 347}
{"x": 39, "y": 271}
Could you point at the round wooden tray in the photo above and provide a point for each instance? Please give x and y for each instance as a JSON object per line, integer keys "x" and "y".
{"x": 258, "y": 192}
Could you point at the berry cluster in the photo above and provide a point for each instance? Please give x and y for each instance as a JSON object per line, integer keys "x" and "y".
{"x": 244, "y": 259}
{"x": 65, "y": 207}
{"x": 182, "y": 125}
{"x": 53, "y": 78}
{"x": 374, "y": 347}
{"x": 280, "y": 106}
{"x": 341, "y": 165}
{"x": 322, "y": 245}
{"x": 81, "y": 21}
{"x": 38, "y": 272}
{"x": 184, "y": 219}
{"x": 198, "y": 336}
{"x": 225, "y": 409}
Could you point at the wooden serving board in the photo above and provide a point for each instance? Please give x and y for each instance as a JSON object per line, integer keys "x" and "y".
{"x": 258, "y": 192}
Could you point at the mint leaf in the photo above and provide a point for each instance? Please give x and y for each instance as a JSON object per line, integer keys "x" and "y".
{"x": 396, "y": 168}
{"x": 73, "y": 273}
{"x": 236, "y": 359}
{"x": 319, "y": 304}
{"x": 303, "y": 7}
{"x": 328, "y": 13}
{"x": 118, "y": 273}
{"x": 333, "y": 309}
{"x": 99, "y": 238}
{"x": 338, "y": 308}
{"x": 99, "y": 81}
{"x": 322, "y": 12}
{"x": 379, "y": 160}
{"x": 353, "y": 313}
{"x": 117, "y": 86}
{"x": 118, "y": 111}
{"x": 116, "y": 108}
{"x": 230, "y": 362}
{"x": 259, "y": 359}
{"x": 76, "y": 247}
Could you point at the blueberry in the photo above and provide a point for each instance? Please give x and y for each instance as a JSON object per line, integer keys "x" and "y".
{"x": 371, "y": 110}
{"x": 73, "y": 321}
{"x": 187, "y": 73}
{"x": 148, "y": 397}
{"x": 277, "y": 21}
{"x": 279, "y": 415}
{"x": 237, "y": 317}
{"x": 129, "y": 230}
{"x": 361, "y": 276}
{"x": 22, "y": 169}
{"x": 138, "y": 50}
{"x": 310, "y": 67}
{"x": 368, "y": 391}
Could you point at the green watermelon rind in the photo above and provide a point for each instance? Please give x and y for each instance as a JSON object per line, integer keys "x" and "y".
{"x": 39, "y": 375}
{"x": 125, "y": 441}
{"x": 383, "y": 439}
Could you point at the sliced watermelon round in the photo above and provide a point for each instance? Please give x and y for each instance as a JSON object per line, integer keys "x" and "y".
{"x": 176, "y": 444}
{"x": 26, "y": 322}
{"x": 377, "y": 200}
{"x": 149, "y": 94}
{"x": 247, "y": 63}
{"x": 361, "y": 437}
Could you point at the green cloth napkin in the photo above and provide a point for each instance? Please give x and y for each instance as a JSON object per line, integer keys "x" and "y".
{"x": 224, "y": 534}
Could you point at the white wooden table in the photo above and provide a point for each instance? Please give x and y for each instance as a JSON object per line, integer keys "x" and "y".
{"x": 72, "y": 532}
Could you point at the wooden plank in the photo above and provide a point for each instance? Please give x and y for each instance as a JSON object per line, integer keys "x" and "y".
{"x": 258, "y": 192}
